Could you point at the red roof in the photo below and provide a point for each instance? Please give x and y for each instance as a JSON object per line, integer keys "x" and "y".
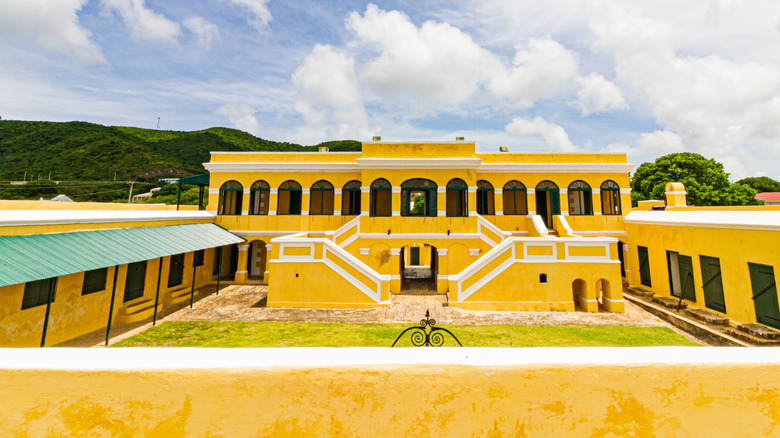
{"x": 769, "y": 196}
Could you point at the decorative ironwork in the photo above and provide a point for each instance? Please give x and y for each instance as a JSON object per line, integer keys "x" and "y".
{"x": 426, "y": 335}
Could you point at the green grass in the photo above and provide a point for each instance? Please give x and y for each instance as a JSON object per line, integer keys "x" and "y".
{"x": 296, "y": 334}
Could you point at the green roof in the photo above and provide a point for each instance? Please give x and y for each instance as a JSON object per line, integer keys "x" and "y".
{"x": 202, "y": 179}
{"x": 29, "y": 258}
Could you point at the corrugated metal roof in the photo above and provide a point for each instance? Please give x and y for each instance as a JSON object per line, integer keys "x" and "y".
{"x": 29, "y": 258}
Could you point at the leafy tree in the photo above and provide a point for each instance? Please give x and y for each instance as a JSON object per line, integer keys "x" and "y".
{"x": 168, "y": 193}
{"x": 761, "y": 184}
{"x": 705, "y": 181}
{"x": 419, "y": 204}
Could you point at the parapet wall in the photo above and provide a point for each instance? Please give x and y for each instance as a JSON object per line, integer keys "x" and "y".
{"x": 661, "y": 391}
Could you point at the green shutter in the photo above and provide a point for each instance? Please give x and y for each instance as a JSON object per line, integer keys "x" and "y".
{"x": 135, "y": 281}
{"x": 762, "y": 278}
{"x": 644, "y": 266}
{"x": 686, "y": 277}
{"x": 176, "y": 270}
{"x": 712, "y": 283}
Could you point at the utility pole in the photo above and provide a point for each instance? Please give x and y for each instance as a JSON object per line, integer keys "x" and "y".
{"x": 130, "y": 195}
{"x": 25, "y": 176}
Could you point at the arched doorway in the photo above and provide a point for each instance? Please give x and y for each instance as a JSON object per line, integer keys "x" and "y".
{"x": 579, "y": 290}
{"x": 418, "y": 269}
{"x": 256, "y": 260}
{"x": 548, "y": 201}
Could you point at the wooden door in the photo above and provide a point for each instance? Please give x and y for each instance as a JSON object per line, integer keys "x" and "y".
{"x": 712, "y": 283}
{"x": 135, "y": 281}
{"x": 762, "y": 278}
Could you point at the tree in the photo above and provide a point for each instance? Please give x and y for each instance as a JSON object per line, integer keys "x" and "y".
{"x": 761, "y": 184}
{"x": 419, "y": 205}
{"x": 705, "y": 181}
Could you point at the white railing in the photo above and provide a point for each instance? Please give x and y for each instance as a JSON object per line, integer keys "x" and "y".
{"x": 354, "y": 223}
{"x": 373, "y": 291}
{"x": 482, "y": 222}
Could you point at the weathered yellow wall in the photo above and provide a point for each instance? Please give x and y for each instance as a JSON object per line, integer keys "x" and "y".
{"x": 39, "y": 205}
{"x": 418, "y": 399}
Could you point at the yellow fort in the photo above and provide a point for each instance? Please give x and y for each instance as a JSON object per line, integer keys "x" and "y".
{"x": 491, "y": 231}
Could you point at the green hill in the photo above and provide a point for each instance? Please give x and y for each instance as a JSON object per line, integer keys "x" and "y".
{"x": 80, "y": 151}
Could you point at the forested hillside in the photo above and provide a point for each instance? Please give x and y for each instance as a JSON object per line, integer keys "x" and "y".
{"x": 86, "y": 151}
{"x": 87, "y": 158}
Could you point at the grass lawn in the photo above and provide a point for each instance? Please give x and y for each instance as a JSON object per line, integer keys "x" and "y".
{"x": 300, "y": 334}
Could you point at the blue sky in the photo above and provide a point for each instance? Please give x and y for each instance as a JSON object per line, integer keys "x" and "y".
{"x": 645, "y": 78}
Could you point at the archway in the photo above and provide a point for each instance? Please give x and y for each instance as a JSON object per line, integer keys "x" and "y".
{"x": 256, "y": 260}
{"x": 579, "y": 289}
{"x": 418, "y": 269}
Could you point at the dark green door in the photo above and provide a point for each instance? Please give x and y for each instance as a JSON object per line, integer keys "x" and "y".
{"x": 762, "y": 278}
{"x": 414, "y": 256}
{"x": 136, "y": 278}
{"x": 686, "y": 277}
{"x": 644, "y": 266}
{"x": 295, "y": 201}
{"x": 176, "y": 270}
{"x": 712, "y": 283}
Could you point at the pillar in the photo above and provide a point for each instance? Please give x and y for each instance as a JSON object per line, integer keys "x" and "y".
{"x": 442, "y": 284}
{"x": 241, "y": 271}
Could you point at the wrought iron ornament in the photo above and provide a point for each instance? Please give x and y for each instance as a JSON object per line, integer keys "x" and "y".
{"x": 426, "y": 335}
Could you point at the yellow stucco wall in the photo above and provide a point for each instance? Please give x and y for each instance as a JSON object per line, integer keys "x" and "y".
{"x": 734, "y": 247}
{"x": 310, "y": 399}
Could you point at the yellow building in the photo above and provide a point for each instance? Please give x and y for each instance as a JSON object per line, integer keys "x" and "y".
{"x": 499, "y": 231}
{"x": 490, "y": 231}
{"x": 716, "y": 258}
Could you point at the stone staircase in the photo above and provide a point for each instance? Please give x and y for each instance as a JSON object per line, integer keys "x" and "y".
{"x": 137, "y": 310}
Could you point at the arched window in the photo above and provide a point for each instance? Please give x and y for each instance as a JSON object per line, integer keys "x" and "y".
{"x": 231, "y": 194}
{"x": 485, "y": 198}
{"x": 515, "y": 198}
{"x": 418, "y": 197}
{"x": 290, "y": 195}
{"x": 457, "y": 198}
{"x": 381, "y": 198}
{"x": 350, "y": 199}
{"x": 580, "y": 198}
{"x": 610, "y": 198}
{"x": 321, "y": 198}
{"x": 259, "y": 198}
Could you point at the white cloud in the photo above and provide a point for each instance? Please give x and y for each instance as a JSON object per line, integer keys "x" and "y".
{"x": 241, "y": 116}
{"x": 539, "y": 70}
{"x": 258, "y": 10}
{"x": 713, "y": 105}
{"x": 53, "y": 25}
{"x": 206, "y": 32}
{"x": 328, "y": 93}
{"x": 435, "y": 64}
{"x": 598, "y": 95}
{"x": 555, "y": 137}
{"x": 142, "y": 21}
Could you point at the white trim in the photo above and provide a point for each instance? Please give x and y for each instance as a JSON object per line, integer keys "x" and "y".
{"x": 303, "y": 213}
{"x": 364, "y": 251}
{"x": 596, "y": 191}
{"x": 563, "y": 191}
{"x": 444, "y": 277}
{"x": 531, "y": 212}
{"x": 245, "y": 212}
{"x": 213, "y": 191}
{"x": 499, "y": 212}
{"x": 277, "y": 167}
{"x": 247, "y": 233}
{"x": 246, "y": 190}
{"x": 395, "y": 251}
{"x": 473, "y": 252}
{"x": 268, "y": 248}
{"x": 564, "y": 213}
{"x": 676, "y": 193}
{"x": 473, "y": 189}
{"x": 530, "y": 191}
{"x": 395, "y": 214}
{"x": 621, "y": 168}
{"x": 336, "y": 213}
{"x": 395, "y": 190}
{"x": 274, "y": 191}
{"x": 271, "y": 212}
{"x": 566, "y": 226}
{"x": 473, "y": 213}
{"x": 611, "y": 300}
{"x": 365, "y": 189}
{"x": 305, "y": 191}
{"x": 605, "y": 233}
{"x": 498, "y": 191}
{"x": 743, "y": 220}
{"x": 441, "y": 213}
{"x": 291, "y": 258}
{"x": 418, "y": 163}
{"x": 596, "y": 213}
{"x": 420, "y": 236}
{"x": 442, "y": 189}
{"x": 441, "y": 251}
{"x": 336, "y": 191}
{"x": 242, "y": 272}
{"x": 625, "y": 191}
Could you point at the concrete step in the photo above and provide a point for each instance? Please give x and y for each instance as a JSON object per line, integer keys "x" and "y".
{"x": 669, "y": 302}
{"x": 760, "y": 331}
{"x": 707, "y": 316}
{"x": 642, "y": 292}
{"x": 177, "y": 296}
{"x": 749, "y": 338}
{"x": 136, "y": 311}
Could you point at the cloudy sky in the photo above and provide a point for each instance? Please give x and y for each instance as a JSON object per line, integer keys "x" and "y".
{"x": 642, "y": 77}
